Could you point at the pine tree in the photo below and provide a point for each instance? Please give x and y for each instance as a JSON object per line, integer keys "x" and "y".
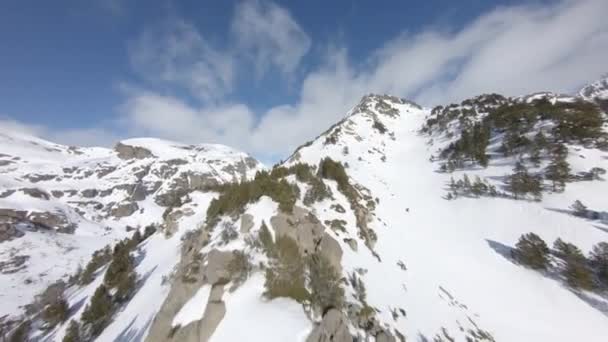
{"x": 576, "y": 271}
{"x": 72, "y": 333}
{"x": 599, "y": 260}
{"x": 579, "y": 209}
{"x": 98, "y": 312}
{"x": 56, "y": 312}
{"x": 532, "y": 251}
{"x": 521, "y": 182}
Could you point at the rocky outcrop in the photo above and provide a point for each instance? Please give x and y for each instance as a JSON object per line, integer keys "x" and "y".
{"x": 124, "y": 209}
{"x": 132, "y": 152}
{"x": 52, "y": 221}
{"x": 216, "y": 270}
{"x": 36, "y": 193}
{"x": 333, "y": 328}
{"x": 309, "y": 233}
{"x": 89, "y": 193}
{"x": 8, "y": 231}
{"x": 246, "y": 223}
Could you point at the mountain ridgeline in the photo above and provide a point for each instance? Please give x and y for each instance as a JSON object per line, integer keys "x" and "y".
{"x": 483, "y": 220}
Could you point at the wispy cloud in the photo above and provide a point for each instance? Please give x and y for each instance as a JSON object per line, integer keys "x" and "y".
{"x": 175, "y": 54}
{"x": 269, "y": 35}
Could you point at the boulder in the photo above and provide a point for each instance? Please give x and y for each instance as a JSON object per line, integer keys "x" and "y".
{"x": 132, "y": 152}
{"x": 333, "y": 328}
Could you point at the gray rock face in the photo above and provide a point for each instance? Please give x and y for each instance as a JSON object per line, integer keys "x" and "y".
{"x": 124, "y": 209}
{"x": 36, "y": 193}
{"x": 216, "y": 270}
{"x": 57, "y": 193}
{"x": 8, "y": 231}
{"x": 132, "y": 152}
{"x": 333, "y": 328}
{"x": 52, "y": 221}
{"x": 246, "y": 223}
{"x": 6, "y": 193}
{"x": 309, "y": 233}
{"x": 89, "y": 193}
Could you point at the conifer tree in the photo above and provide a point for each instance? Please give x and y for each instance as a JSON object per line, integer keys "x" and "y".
{"x": 599, "y": 261}
{"x": 532, "y": 251}
{"x": 72, "y": 333}
{"x": 98, "y": 312}
{"x": 579, "y": 209}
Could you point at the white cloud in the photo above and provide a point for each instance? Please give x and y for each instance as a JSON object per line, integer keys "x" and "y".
{"x": 177, "y": 55}
{"x": 269, "y": 35}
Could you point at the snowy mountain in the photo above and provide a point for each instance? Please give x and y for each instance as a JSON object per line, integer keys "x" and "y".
{"x": 397, "y": 223}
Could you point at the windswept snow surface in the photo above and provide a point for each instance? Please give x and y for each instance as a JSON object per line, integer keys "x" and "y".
{"x": 251, "y": 318}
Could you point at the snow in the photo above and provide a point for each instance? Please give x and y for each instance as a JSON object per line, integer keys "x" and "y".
{"x": 462, "y": 246}
{"x": 194, "y": 309}
{"x": 250, "y": 318}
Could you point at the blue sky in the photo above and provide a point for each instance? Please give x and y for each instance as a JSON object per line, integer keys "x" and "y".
{"x": 238, "y": 72}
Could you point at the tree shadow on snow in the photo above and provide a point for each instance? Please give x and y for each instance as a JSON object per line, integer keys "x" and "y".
{"x": 131, "y": 334}
{"x": 599, "y": 299}
{"x": 593, "y": 215}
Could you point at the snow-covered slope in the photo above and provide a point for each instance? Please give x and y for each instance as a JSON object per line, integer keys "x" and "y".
{"x": 58, "y": 204}
{"x": 459, "y": 272}
{"x": 360, "y": 235}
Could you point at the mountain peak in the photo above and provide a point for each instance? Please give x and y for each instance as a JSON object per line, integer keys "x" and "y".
{"x": 597, "y": 90}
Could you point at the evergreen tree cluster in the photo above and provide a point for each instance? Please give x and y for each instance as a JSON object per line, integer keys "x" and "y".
{"x": 521, "y": 182}
{"x": 235, "y": 196}
{"x": 117, "y": 287}
{"x": 466, "y": 187}
{"x": 470, "y": 147}
{"x": 578, "y": 271}
{"x": 573, "y": 122}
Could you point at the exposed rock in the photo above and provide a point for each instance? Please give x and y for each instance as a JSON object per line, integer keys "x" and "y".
{"x": 132, "y": 152}
{"x": 57, "y": 193}
{"x": 216, "y": 270}
{"x": 385, "y": 336}
{"x": 38, "y": 178}
{"x": 6, "y": 193}
{"x": 309, "y": 233}
{"x": 352, "y": 243}
{"x": 89, "y": 193}
{"x": 52, "y": 221}
{"x": 36, "y": 193}
{"x": 330, "y": 248}
{"x": 124, "y": 209}
{"x": 172, "y": 217}
{"x": 305, "y": 229}
{"x": 333, "y": 328}
{"x": 104, "y": 171}
{"x": 246, "y": 223}
{"x": 8, "y": 231}
{"x": 13, "y": 265}
{"x": 6, "y": 162}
